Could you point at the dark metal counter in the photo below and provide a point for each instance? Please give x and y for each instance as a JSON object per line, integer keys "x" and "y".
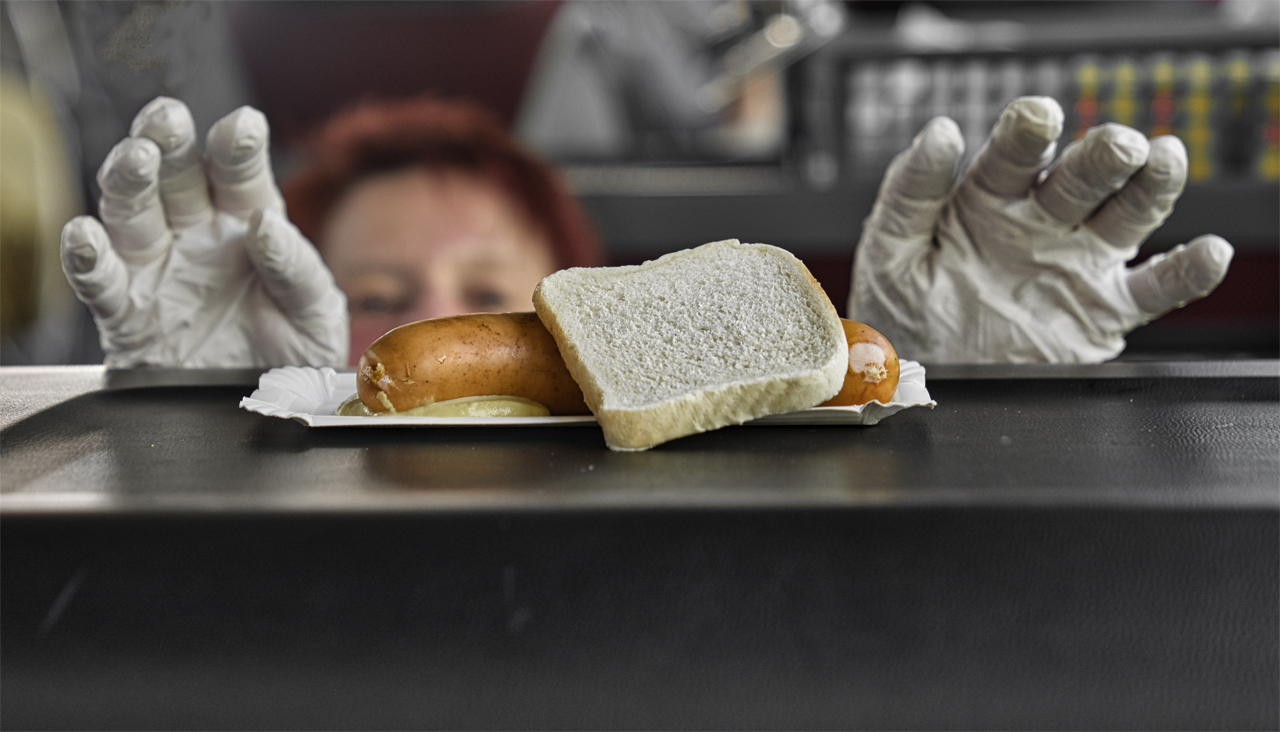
{"x": 1052, "y": 547}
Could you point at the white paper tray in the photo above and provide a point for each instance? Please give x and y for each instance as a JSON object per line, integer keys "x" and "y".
{"x": 311, "y": 395}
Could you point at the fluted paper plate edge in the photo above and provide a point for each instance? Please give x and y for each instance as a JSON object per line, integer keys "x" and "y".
{"x": 310, "y": 395}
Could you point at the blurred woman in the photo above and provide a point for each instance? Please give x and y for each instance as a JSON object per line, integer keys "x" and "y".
{"x": 424, "y": 208}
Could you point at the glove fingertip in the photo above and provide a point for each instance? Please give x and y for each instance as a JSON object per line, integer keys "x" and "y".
{"x": 92, "y": 267}
{"x": 944, "y": 130}
{"x": 1166, "y": 167}
{"x": 240, "y": 136}
{"x": 165, "y": 121}
{"x": 1170, "y": 146}
{"x": 924, "y": 171}
{"x": 1121, "y": 147}
{"x": 1213, "y": 256}
{"x": 1038, "y": 118}
{"x": 942, "y": 144}
{"x": 82, "y": 237}
{"x": 1186, "y": 273}
{"x": 130, "y": 165}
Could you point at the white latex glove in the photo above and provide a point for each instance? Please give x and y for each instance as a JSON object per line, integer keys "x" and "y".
{"x": 1017, "y": 265}
{"x": 197, "y": 265}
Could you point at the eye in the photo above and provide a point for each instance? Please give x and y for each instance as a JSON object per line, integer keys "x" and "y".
{"x": 377, "y": 294}
{"x": 486, "y": 299}
{"x": 376, "y": 305}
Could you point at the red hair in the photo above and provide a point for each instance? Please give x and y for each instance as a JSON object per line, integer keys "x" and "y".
{"x": 379, "y": 136}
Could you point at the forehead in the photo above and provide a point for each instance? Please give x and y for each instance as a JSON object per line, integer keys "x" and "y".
{"x": 423, "y": 211}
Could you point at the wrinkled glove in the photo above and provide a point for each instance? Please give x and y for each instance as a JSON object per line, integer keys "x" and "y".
{"x": 1016, "y": 264}
{"x": 197, "y": 265}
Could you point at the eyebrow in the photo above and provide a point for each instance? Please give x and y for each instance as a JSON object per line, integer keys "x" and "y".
{"x": 408, "y": 284}
{"x": 488, "y": 262}
{"x": 366, "y": 267}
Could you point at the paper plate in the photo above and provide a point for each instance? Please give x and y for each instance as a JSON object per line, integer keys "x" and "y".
{"x": 311, "y": 395}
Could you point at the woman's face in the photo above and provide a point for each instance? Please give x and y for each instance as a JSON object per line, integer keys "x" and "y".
{"x": 410, "y": 244}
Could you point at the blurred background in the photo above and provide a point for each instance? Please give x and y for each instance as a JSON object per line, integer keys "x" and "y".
{"x": 675, "y": 123}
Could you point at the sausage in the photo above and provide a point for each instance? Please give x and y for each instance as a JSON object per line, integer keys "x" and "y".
{"x": 512, "y": 354}
{"x": 481, "y": 354}
{"x": 873, "y": 368}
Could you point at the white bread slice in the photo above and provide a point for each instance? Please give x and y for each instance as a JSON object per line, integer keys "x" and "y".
{"x": 694, "y": 340}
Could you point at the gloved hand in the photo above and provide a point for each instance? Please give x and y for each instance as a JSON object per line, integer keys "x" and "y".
{"x": 197, "y": 265}
{"x": 1017, "y": 265}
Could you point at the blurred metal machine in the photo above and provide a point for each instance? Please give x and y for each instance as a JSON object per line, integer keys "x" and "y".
{"x": 1183, "y": 68}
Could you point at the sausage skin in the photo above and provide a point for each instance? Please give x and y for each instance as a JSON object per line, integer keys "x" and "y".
{"x": 480, "y": 354}
{"x": 512, "y": 354}
{"x": 873, "y": 368}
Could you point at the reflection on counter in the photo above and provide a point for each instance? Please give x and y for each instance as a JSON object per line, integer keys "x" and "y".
{"x": 689, "y": 477}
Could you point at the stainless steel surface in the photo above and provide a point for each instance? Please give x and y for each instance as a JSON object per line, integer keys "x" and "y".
{"x": 1138, "y": 434}
{"x": 25, "y": 390}
{"x": 1050, "y": 549}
